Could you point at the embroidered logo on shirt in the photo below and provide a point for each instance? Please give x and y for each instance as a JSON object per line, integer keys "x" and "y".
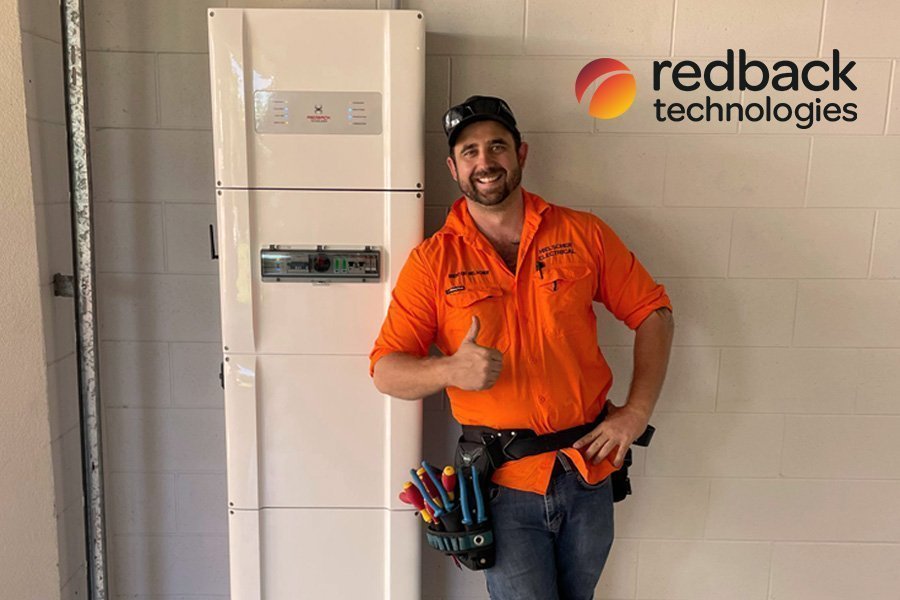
{"x": 454, "y": 289}
{"x": 554, "y": 249}
{"x": 466, "y": 273}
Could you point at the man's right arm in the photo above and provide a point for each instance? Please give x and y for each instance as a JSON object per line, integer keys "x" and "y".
{"x": 410, "y": 377}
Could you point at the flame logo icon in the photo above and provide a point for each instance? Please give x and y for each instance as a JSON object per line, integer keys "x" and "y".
{"x": 614, "y": 95}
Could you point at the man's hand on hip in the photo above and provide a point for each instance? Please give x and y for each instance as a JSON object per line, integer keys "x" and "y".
{"x": 618, "y": 430}
{"x": 475, "y": 367}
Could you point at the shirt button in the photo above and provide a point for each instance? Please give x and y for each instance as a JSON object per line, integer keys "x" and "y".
{"x": 542, "y": 399}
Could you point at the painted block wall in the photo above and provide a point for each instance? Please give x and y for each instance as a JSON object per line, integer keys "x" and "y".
{"x": 45, "y": 112}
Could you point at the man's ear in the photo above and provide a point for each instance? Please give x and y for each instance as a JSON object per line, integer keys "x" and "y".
{"x": 522, "y": 154}
{"x": 452, "y": 166}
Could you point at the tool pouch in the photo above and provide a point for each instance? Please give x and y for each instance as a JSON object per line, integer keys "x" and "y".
{"x": 471, "y": 545}
{"x": 481, "y": 455}
{"x": 621, "y": 485}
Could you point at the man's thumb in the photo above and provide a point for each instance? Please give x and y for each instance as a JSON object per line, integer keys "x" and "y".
{"x": 473, "y": 330}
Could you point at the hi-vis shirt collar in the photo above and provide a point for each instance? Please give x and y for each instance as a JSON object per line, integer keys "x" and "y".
{"x": 459, "y": 221}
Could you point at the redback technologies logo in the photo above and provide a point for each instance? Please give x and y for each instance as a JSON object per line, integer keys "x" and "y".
{"x": 616, "y": 91}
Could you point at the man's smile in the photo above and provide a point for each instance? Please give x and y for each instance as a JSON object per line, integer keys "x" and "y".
{"x": 490, "y": 179}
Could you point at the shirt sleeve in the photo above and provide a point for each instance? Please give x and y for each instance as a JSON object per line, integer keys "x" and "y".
{"x": 411, "y": 322}
{"x": 625, "y": 286}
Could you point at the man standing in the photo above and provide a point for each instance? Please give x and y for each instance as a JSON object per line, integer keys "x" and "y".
{"x": 505, "y": 291}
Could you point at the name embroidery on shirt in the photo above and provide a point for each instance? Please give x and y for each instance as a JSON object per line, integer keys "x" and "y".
{"x": 467, "y": 274}
{"x": 555, "y": 249}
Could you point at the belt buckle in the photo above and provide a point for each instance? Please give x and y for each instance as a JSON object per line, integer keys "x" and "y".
{"x": 513, "y": 436}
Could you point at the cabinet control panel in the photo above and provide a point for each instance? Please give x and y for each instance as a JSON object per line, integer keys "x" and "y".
{"x": 332, "y": 113}
{"x": 321, "y": 264}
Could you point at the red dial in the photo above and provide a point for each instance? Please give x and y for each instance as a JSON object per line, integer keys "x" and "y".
{"x": 321, "y": 263}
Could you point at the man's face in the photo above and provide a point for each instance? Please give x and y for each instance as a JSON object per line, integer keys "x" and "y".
{"x": 487, "y": 167}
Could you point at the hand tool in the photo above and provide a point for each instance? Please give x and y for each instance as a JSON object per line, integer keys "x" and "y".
{"x": 429, "y": 486}
{"x": 481, "y": 517}
{"x": 412, "y": 495}
{"x": 448, "y": 506}
{"x": 448, "y": 479}
{"x": 425, "y": 496}
{"x": 464, "y": 500}
{"x": 404, "y": 494}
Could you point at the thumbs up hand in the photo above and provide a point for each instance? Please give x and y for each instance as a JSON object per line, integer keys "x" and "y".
{"x": 474, "y": 328}
{"x": 475, "y": 367}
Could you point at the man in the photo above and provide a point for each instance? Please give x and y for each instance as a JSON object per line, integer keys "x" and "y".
{"x": 505, "y": 291}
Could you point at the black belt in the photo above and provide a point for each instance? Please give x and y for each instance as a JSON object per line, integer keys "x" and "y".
{"x": 479, "y": 452}
{"x": 503, "y": 445}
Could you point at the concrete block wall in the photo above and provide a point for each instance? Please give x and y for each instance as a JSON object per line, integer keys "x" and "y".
{"x": 773, "y": 475}
{"x": 45, "y": 110}
{"x": 164, "y": 425}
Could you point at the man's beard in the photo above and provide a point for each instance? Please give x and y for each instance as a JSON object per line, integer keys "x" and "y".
{"x": 510, "y": 181}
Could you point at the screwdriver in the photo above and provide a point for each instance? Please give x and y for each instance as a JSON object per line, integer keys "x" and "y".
{"x": 429, "y": 486}
{"x": 412, "y": 495}
{"x": 432, "y": 475}
{"x": 421, "y": 485}
{"x": 448, "y": 479}
{"x": 426, "y": 516}
{"x": 405, "y": 495}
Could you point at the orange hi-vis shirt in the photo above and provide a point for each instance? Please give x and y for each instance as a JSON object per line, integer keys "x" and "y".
{"x": 541, "y": 318}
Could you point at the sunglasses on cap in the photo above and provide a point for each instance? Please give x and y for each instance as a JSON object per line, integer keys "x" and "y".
{"x": 478, "y": 108}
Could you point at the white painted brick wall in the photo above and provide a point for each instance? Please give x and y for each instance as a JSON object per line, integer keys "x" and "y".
{"x": 806, "y": 571}
{"x": 855, "y": 171}
{"x": 796, "y": 509}
{"x": 589, "y": 170}
{"x": 773, "y": 475}
{"x": 766, "y": 28}
{"x": 45, "y": 111}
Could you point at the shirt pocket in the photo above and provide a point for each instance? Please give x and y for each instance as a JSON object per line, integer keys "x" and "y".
{"x": 487, "y": 304}
{"x": 564, "y": 296}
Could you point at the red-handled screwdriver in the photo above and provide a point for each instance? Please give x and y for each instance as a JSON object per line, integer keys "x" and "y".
{"x": 405, "y": 494}
{"x": 416, "y": 499}
{"x": 429, "y": 485}
{"x": 448, "y": 479}
{"x": 408, "y": 497}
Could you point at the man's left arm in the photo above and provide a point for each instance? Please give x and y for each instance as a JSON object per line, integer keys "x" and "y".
{"x": 652, "y": 343}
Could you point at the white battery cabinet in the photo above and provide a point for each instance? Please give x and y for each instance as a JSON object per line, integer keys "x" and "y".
{"x": 319, "y": 165}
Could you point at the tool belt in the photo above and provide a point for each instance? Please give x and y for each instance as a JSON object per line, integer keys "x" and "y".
{"x": 482, "y": 450}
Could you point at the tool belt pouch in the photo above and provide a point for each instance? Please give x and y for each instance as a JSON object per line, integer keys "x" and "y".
{"x": 621, "y": 485}
{"x": 473, "y": 545}
{"x": 482, "y": 456}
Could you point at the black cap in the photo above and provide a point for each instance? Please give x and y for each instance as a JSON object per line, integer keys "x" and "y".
{"x": 479, "y": 108}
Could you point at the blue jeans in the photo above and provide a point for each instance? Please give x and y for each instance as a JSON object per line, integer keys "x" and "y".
{"x": 551, "y": 547}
